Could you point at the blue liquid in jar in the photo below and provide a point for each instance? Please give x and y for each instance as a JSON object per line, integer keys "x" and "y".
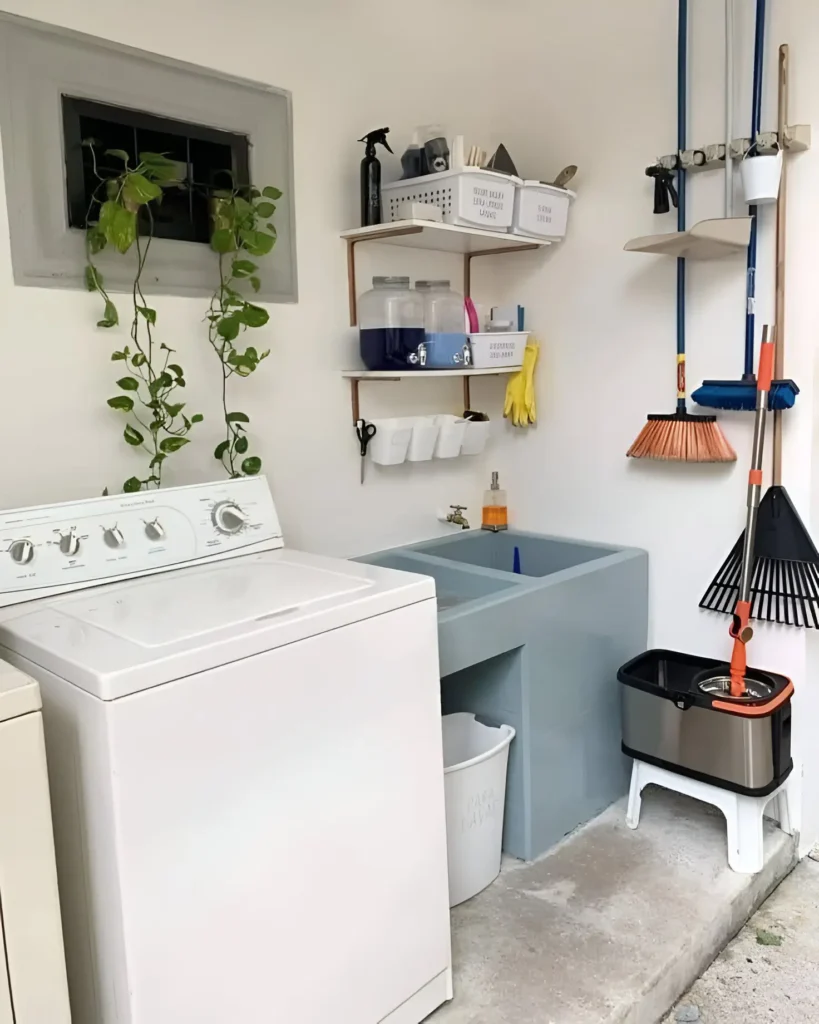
{"x": 445, "y": 349}
{"x": 391, "y": 348}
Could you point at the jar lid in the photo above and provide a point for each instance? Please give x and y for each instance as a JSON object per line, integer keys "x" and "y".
{"x": 401, "y": 282}
{"x": 432, "y": 284}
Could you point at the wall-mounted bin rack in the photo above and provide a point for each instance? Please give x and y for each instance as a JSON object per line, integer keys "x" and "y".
{"x": 424, "y": 234}
{"x": 356, "y": 376}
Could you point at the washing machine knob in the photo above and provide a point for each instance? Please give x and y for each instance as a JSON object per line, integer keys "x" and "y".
{"x": 154, "y": 530}
{"x": 22, "y": 551}
{"x": 229, "y": 518}
{"x": 113, "y": 537}
{"x": 69, "y": 543}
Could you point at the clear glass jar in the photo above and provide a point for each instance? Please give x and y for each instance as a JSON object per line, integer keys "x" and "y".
{"x": 445, "y": 344}
{"x": 391, "y": 325}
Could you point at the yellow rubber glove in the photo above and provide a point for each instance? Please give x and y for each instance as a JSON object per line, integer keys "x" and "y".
{"x": 520, "y": 407}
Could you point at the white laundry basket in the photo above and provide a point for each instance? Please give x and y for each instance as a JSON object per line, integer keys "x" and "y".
{"x": 476, "y": 757}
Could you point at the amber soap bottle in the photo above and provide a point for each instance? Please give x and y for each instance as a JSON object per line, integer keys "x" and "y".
{"x": 495, "y": 515}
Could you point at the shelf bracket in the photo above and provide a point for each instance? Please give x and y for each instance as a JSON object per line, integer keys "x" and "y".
{"x": 469, "y": 256}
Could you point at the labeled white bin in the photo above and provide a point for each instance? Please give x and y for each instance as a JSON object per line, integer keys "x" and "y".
{"x": 541, "y": 211}
{"x": 424, "y": 435}
{"x": 476, "y": 757}
{"x": 498, "y": 348}
{"x": 472, "y": 197}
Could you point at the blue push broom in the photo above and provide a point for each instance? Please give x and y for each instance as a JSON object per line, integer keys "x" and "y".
{"x": 741, "y": 394}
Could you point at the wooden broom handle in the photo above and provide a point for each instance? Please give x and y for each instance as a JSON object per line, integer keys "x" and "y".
{"x": 781, "y": 246}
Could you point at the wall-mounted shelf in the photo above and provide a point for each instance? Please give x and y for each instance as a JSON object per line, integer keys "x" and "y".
{"x": 708, "y": 240}
{"x": 425, "y": 234}
{"x": 356, "y": 376}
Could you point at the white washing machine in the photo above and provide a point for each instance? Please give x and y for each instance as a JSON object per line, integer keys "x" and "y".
{"x": 33, "y": 986}
{"x": 245, "y": 762}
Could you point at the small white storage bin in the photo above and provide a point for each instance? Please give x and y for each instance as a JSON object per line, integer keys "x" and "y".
{"x": 424, "y": 435}
{"x": 476, "y": 435}
{"x": 391, "y": 443}
{"x": 450, "y": 436}
{"x": 541, "y": 211}
{"x": 472, "y": 198}
{"x": 497, "y": 348}
{"x": 476, "y": 757}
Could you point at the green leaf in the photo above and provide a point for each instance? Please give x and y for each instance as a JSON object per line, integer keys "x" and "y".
{"x": 116, "y": 356}
{"x": 252, "y": 465}
{"x": 254, "y": 316}
{"x": 252, "y": 354}
{"x": 157, "y": 460}
{"x": 128, "y": 384}
{"x": 138, "y": 190}
{"x": 264, "y": 354}
{"x": 272, "y": 193}
{"x": 174, "y": 409}
{"x": 222, "y": 240}
{"x": 220, "y": 449}
{"x": 120, "y": 154}
{"x": 118, "y": 225}
{"x": 272, "y": 229}
{"x": 138, "y": 359}
{"x": 132, "y": 485}
{"x": 265, "y": 209}
{"x": 237, "y": 417}
{"x": 93, "y": 278}
{"x": 257, "y": 243}
{"x": 243, "y": 208}
{"x": 95, "y": 240}
{"x": 255, "y": 283}
{"x": 177, "y": 369}
{"x": 255, "y": 193}
{"x": 180, "y": 382}
{"x": 159, "y": 168}
{"x": 148, "y": 313}
{"x": 132, "y": 436}
{"x": 242, "y": 268}
{"x": 241, "y": 445}
{"x": 122, "y": 403}
{"x": 229, "y": 327}
{"x": 173, "y": 444}
{"x": 197, "y": 417}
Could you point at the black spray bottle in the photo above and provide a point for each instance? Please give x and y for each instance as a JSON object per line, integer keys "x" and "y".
{"x": 371, "y": 178}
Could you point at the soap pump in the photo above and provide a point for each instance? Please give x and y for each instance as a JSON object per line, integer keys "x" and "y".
{"x": 371, "y": 177}
{"x": 495, "y": 514}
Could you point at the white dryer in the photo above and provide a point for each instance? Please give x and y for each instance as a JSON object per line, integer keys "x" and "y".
{"x": 33, "y": 986}
{"x": 244, "y": 747}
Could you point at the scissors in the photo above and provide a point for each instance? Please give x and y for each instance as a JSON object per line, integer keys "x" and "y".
{"x": 365, "y": 432}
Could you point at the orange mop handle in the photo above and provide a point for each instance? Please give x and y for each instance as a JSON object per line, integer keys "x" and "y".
{"x": 740, "y": 630}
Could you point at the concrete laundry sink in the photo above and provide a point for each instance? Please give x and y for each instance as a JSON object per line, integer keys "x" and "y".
{"x": 539, "y": 651}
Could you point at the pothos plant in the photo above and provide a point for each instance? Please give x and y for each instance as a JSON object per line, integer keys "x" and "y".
{"x": 120, "y": 215}
{"x": 242, "y": 232}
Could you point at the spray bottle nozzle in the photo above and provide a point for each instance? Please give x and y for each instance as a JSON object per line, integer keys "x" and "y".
{"x": 378, "y": 136}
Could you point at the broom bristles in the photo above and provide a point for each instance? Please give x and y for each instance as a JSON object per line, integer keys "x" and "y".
{"x": 681, "y": 437}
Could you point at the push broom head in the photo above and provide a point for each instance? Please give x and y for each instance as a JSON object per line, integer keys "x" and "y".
{"x": 681, "y": 437}
{"x": 785, "y": 577}
{"x": 740, "y": 395}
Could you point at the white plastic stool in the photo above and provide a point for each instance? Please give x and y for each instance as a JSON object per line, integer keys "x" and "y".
{"x": 743, "y": 814}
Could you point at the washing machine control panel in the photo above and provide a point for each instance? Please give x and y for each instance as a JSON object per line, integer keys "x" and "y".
{"x": 51, "y": 548}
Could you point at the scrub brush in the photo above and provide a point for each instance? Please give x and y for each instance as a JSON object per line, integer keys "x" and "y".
{"x": 520, "y": 407}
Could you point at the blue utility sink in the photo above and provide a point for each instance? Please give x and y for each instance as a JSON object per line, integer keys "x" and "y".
{"x": 539, "y": 651}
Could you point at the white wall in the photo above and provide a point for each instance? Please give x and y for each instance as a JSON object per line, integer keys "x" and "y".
{"x": 603, "y": 80}
{"x": 351, "y": 68}
{"x": 591, "y": 83}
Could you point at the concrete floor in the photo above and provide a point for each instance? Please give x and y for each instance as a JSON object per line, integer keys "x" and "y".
{"x": 751, "y": 983}
{"x": 611, "y": 926}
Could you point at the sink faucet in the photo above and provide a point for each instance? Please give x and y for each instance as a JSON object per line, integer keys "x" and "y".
{"x": 457, "y": 518}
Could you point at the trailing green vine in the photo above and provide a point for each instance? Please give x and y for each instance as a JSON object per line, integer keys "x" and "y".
{"x": 155, "y": 421}
{"x": 238, "y": 233}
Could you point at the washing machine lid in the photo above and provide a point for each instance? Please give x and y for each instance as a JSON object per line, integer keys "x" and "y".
{"x": 119, "y": 639}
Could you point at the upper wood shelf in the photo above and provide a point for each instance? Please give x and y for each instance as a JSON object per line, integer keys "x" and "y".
{"x": 426, "y": 234}
{"x": 708, "y": 240}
